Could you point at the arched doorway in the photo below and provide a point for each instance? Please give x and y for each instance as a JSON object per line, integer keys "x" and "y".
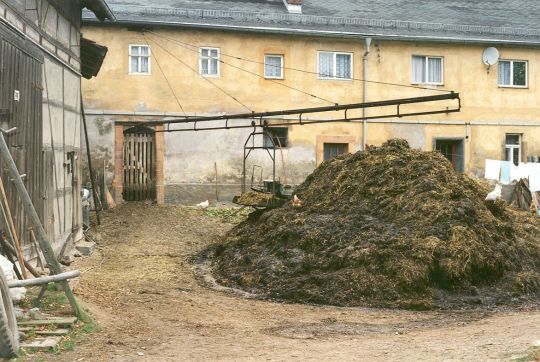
{"x": 139, "y": 164}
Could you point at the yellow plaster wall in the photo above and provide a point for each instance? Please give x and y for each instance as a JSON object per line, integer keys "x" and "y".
{"x": 464, "y": 72}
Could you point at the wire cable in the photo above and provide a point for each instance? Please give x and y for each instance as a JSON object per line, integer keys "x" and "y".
{"x": 166, "y": 79}
{"x": 260, "y": 76}
{"x": 205, "y": 78}
{"x": 306, "y": 71}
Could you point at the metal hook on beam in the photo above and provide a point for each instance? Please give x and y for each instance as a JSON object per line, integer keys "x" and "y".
{"x": 195, "y": 126}
{"x": 227, "y": 123}
{"x": 300, "y": 119}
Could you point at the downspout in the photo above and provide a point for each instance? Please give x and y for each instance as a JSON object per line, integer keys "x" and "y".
{"x": 364, "y": 93}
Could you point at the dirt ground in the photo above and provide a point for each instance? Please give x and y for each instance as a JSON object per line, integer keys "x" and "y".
{"x": 143, "y": 292}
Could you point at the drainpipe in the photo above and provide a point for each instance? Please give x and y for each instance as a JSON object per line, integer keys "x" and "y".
{"x": 364, "y": 93}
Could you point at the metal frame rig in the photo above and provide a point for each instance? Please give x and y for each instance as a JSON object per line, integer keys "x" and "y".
{"x": 264, "y": 120}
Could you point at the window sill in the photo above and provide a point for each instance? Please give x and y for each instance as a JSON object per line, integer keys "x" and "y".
{"x": 143, "y": 74}
{"x": 275, "y": 78}
{"x": 513, "y": 86}
{"x": 338, "y": 79}
{"x": 210, "y": 75}
{"x": 434, "y": 85}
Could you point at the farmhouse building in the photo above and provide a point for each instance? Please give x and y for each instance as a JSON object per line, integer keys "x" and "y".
{"x": 175, "y": 59}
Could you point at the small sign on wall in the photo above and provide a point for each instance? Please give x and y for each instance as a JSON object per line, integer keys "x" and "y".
{"x": 16, "y": 96}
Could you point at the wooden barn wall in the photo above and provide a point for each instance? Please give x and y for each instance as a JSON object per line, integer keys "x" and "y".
{"x": 46, "y": 145}
{"x": 61, "y": 147}
{"x": 21, "y": 72}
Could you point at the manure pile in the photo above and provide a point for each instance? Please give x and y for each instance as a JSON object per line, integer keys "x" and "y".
{"x": 388, "y": 227}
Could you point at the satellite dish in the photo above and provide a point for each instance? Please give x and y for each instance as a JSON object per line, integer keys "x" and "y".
{"x": 490, "y": 56}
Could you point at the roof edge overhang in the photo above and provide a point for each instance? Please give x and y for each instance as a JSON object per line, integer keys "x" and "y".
{"x": 470, "y": 39}
{"x": 99, "y": 8}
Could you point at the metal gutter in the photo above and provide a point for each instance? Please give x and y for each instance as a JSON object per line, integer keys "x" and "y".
{"x": 318, "y": 33}
{"x": 107, "y": 10}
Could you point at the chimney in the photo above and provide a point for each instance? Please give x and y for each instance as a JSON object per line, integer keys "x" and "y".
{"x": 293, "y": 6}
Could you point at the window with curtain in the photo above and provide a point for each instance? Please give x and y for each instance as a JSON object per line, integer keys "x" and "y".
{"x": 513, "y": 148}
{"x": 334, "y": 65}
{"x": 209, "y": 62}
{"x": 139, "y": 59}
{"x": 513, "y": 73}
{"x": 427, "y": 70}
{"x": 273, "y": 66}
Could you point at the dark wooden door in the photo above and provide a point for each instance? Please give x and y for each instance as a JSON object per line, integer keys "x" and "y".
{"x": 21, "y": 108}
{"x": 139, "y": 164}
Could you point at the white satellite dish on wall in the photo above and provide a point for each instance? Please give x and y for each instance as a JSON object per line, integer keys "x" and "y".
{"x": 490, "y": 56}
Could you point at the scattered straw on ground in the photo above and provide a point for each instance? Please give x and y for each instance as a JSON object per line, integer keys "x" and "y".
{"x": 391, "y": 227}
{"x": 254, "y": 198}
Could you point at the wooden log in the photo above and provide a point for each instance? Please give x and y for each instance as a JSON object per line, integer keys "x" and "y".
{"x": 44, "y": 280}
{"x": 42, "y": 238}
{"x": 10, "y": 249}
{"x": 9, "y": 217}
{"x": 8, "y": 255}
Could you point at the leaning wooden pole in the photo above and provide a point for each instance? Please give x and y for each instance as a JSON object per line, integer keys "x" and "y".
{"x": 28, "y": 206}
{"x": 11, "y": 226}
{"x": 90, "y": 169}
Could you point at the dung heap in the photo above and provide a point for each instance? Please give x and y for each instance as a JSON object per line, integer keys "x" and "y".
{"x": 388, "y": 227}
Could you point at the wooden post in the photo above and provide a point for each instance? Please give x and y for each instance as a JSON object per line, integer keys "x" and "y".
{"x": 28, "y": 206}
{"x": 90, "y": 169}
{"x": 217, "y": 193}
{"x": 9, "y": 217}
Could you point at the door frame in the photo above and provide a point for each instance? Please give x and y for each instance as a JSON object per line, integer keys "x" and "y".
{"x": 460, "y": 166}
{"x": 118, "y": 180}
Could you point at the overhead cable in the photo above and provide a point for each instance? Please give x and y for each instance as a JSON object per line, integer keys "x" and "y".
{"x": 256, "y": 74}
{"x": 166, "y": 79}
{"x": 307, "y": 71}
{"x": 205, "y": 78}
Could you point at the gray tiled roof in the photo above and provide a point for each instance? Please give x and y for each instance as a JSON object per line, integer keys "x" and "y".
{"x": 511, "y": 21}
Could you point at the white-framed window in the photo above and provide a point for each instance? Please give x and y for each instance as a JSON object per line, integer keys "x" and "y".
{"x": 209, "y": 62}
{"x": 139, "y": 59}
{"x": 513, "y": 148}
{"x": 273, "y": 66}
{"x": 334, "y": 65}
{"x": 513, "y": 73}
{"x": 427, "y": 70}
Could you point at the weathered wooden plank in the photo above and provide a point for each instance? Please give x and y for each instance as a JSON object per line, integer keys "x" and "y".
{"x": 59, "y": 321}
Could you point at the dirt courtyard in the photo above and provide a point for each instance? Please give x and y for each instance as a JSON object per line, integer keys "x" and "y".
{"x": 144, "y": 294}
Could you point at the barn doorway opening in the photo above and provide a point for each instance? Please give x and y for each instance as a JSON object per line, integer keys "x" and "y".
{"x": 453, "y": 150}
{"x": 139, "y": 164}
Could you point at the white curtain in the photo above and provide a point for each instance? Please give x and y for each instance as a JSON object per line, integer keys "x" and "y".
{"x": 326, "y": 65}
{"x": 144, "y": 64}
{"x": 434, "y": 70}
{"x": 204, "y": 66}
{"x": 272, "y": 66}
{"x": 134, "y": 64}
{"x": 343, "y": 66}
{"x": 419, "y": 69}
{"x": 504, "y": 73}
{"x": 213, "y": 67}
